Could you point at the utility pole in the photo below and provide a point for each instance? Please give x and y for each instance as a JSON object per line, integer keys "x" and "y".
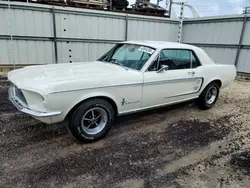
{"x": 170, "y": 7}
{"x": 181, "y": 22}
{"x": 158, "y": 2}
{"x": 246, "y": 10}
{"x": 110, "y": 5}
{"x": 12, "y": 58}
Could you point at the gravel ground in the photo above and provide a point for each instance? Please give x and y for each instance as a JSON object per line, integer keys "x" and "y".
{"x": 177, "y": 146}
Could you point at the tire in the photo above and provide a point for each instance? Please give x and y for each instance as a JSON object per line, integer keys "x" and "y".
{"x": 207, "y": 100}
{"x": 84, "y": 128}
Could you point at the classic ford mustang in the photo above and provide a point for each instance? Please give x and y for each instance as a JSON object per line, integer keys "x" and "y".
{"x": 132, "y": 76}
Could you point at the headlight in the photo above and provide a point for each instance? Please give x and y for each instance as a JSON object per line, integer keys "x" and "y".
{"x": 34, "y": 100}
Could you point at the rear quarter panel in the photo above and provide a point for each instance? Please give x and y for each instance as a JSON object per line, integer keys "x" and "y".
{"x": 225, "y": 73}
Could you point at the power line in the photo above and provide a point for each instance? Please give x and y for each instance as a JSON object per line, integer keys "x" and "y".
{"x": 208, "y": 6}
{"x": 213, "y": 7}
{"x": 219, "y": 7}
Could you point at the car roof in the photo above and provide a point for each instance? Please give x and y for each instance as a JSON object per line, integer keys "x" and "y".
{"x": 159, "y": 45}
{"x": 162, "y": 44}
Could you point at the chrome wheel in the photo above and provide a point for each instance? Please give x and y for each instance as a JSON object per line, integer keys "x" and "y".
{"x": 94, "y": 120}
{"x": 211, "y": 95}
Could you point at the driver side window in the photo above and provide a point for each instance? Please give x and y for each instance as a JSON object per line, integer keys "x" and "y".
{"x": 175, "y": 59}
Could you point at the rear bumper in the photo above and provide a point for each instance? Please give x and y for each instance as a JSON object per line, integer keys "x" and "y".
{"x": 19, "y": 105}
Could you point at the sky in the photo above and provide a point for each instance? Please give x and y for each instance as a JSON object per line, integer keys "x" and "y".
{"x": 209, "y": 7}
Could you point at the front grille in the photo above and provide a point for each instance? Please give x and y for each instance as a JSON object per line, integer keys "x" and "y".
{"x": 19, "y": 94}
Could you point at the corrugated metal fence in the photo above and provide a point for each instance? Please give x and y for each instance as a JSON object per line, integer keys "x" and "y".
{"x": 226, "y": 39}
{"x": 46, "y": 34}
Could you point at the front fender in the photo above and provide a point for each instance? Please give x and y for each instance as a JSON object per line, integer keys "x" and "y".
{"x": 87, "y": 96}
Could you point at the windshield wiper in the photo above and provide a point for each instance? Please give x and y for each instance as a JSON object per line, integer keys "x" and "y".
{"x": 116, "y": 63}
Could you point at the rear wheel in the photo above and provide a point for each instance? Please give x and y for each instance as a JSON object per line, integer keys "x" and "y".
{"x": 209, "y": 96}
{"x": 91, "y": 121}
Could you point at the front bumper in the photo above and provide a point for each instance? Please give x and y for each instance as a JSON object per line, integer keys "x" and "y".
{"x": 20, "y": 106}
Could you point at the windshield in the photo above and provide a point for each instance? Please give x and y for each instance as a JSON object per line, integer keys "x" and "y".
{"x": 128, "y": 55}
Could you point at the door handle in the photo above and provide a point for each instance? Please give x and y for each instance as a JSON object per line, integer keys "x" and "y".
{"x": 192, "y": 72}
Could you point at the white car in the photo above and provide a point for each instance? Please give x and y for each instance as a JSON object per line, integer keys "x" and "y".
{"x": 131, "y": 77}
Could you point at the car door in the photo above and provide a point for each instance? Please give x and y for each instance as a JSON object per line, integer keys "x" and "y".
{"x": 178, "y": 83}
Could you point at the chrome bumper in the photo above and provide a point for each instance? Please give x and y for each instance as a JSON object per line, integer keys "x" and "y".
{"x": 19, "y": 105}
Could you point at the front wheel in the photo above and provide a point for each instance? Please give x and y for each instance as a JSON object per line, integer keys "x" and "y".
{"x": 209, "y": 96}
{"x": 91, "y": 121}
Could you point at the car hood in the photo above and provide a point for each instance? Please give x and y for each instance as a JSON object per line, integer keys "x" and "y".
{"x": 57, "y": 77}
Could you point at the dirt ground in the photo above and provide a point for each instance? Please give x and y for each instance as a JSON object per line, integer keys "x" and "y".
{"x": 177, "y": 146}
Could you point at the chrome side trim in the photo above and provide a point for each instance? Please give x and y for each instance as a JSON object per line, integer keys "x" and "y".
{"x": 123, "y": 85}
{"x": 171, "y": 81}
{"x": 14, "y": 100}
{"x": 190, "y": 93}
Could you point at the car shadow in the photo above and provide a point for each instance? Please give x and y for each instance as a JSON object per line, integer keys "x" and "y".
{"x": 130, "y": 118}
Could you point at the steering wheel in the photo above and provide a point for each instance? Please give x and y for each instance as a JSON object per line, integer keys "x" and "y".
{"x": 115, "y": 61}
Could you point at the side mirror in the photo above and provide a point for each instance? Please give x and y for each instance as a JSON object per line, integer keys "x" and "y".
{"x": 163, "y": 68}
